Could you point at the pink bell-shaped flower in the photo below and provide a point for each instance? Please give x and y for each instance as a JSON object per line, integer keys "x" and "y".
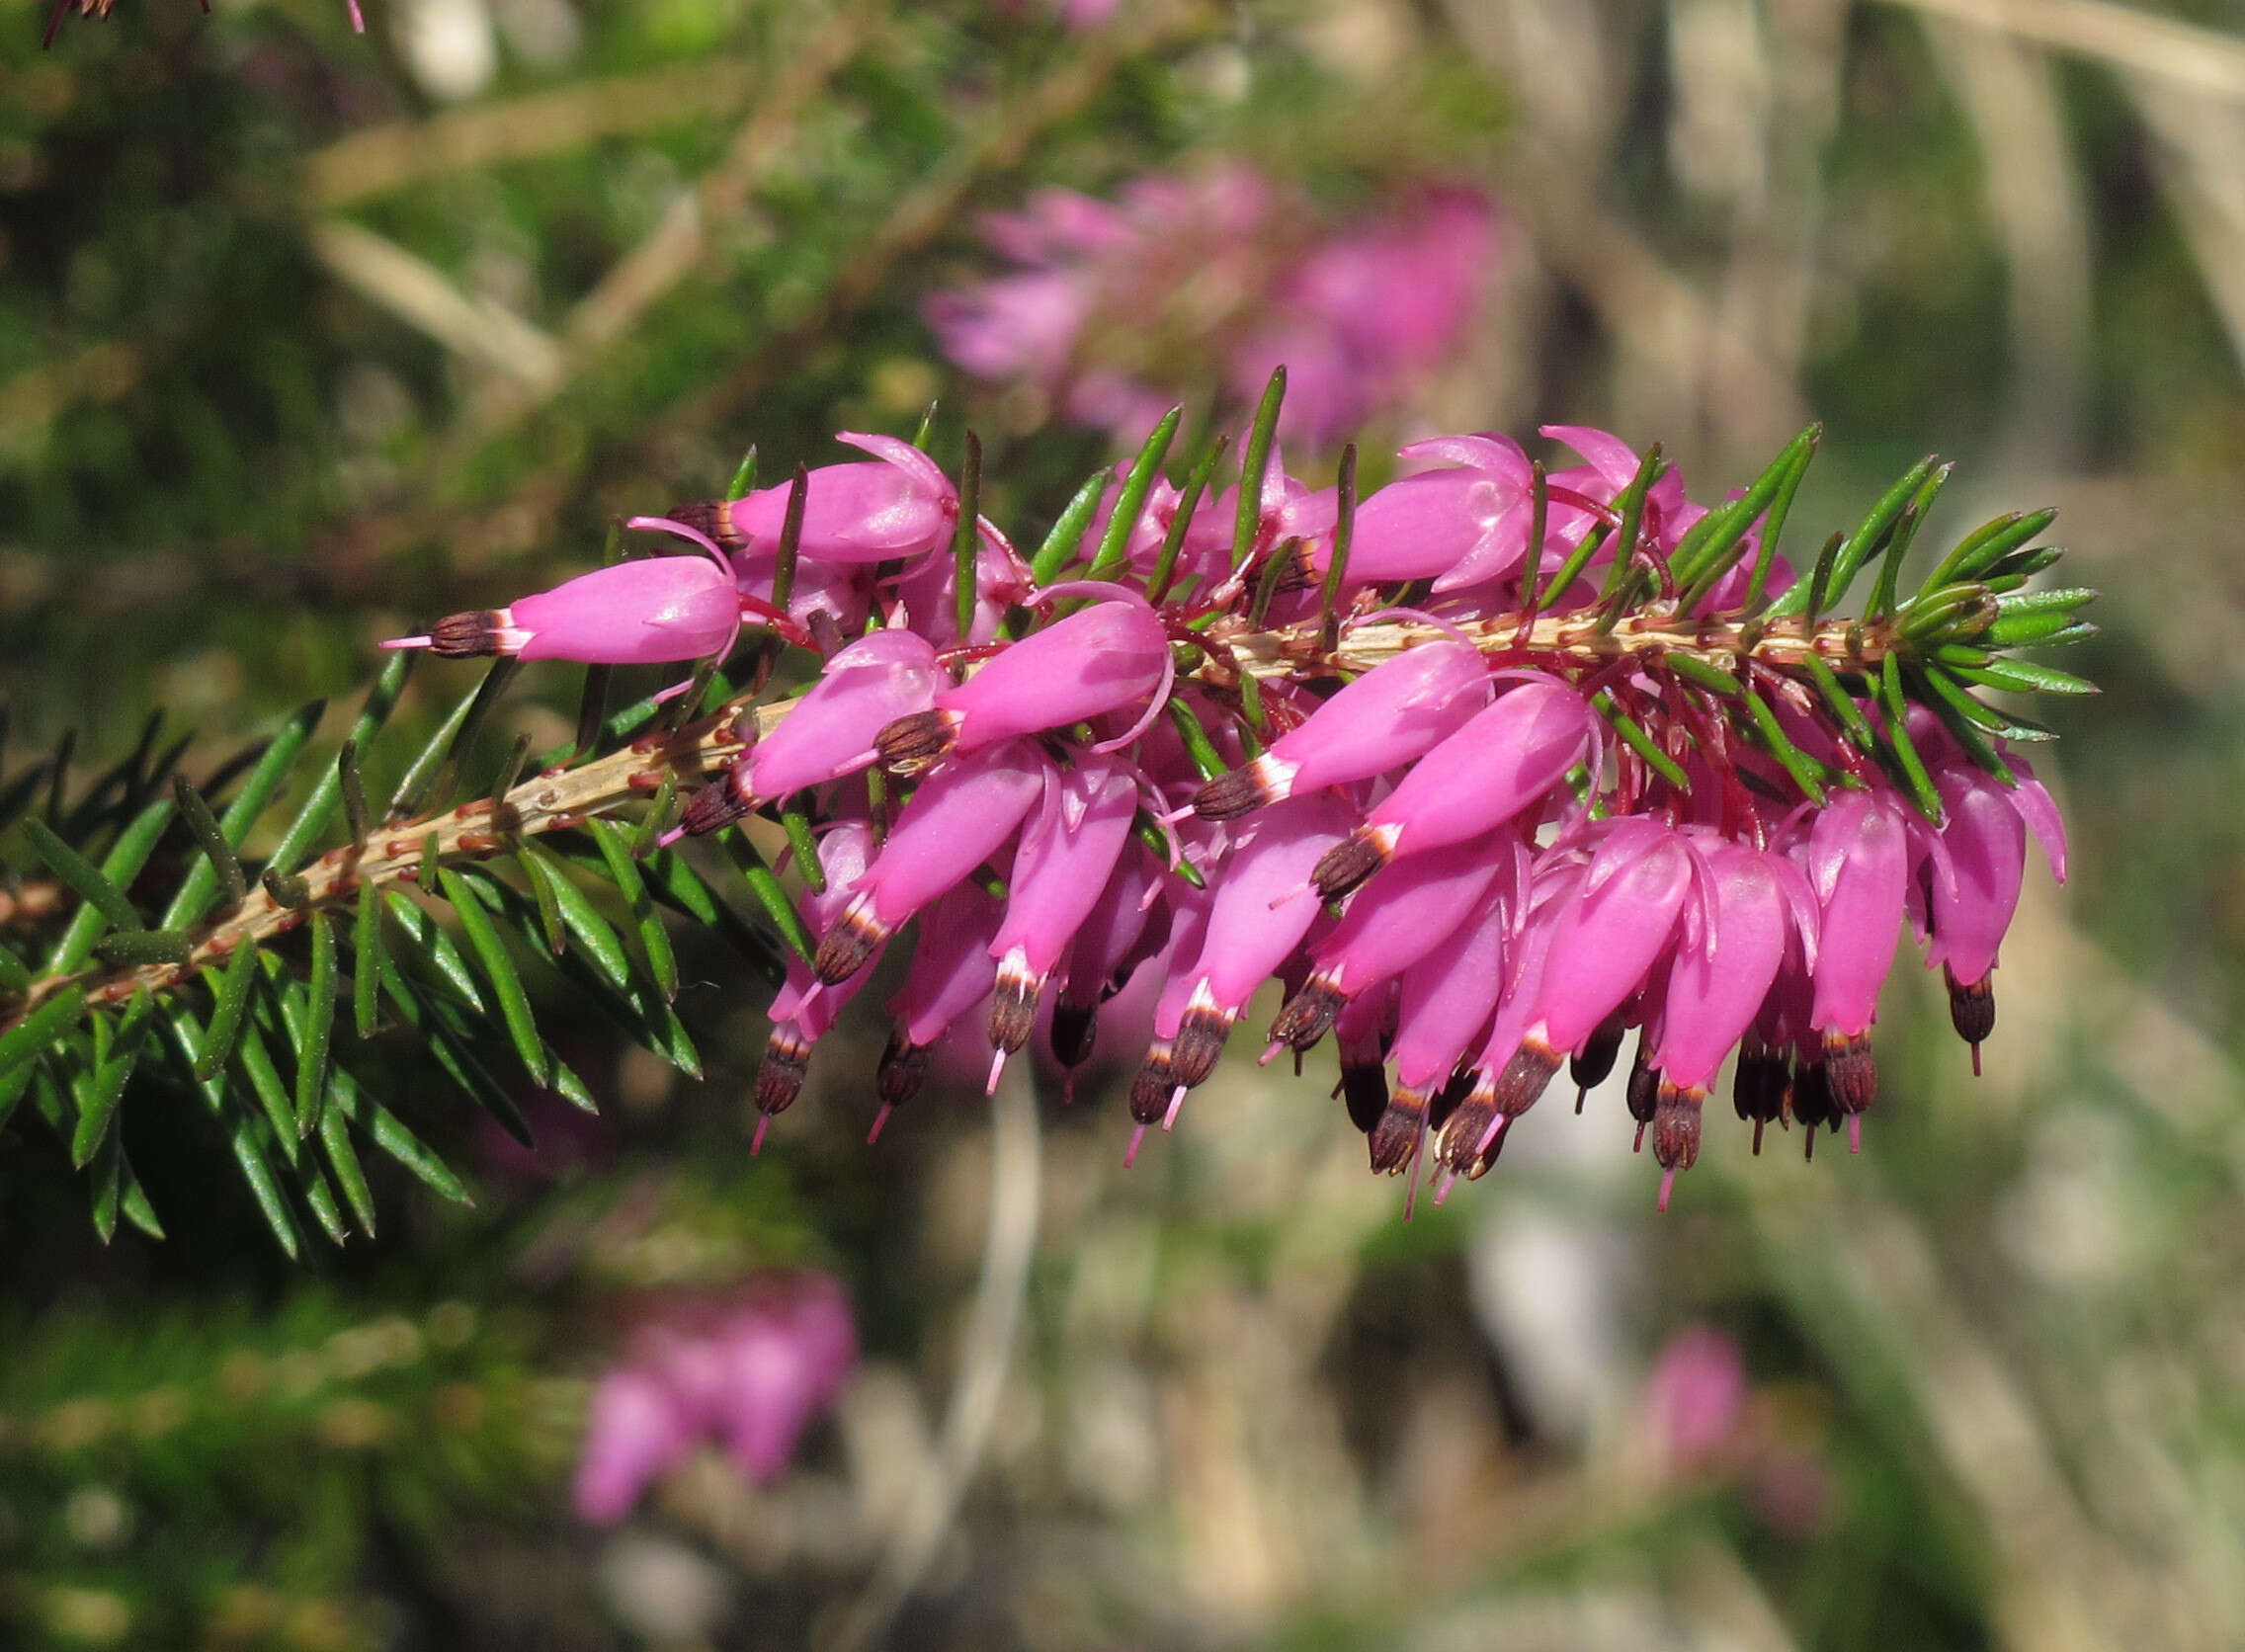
{"x": 652, "y": 612}
{"x": 1497, "y": 766}
{"x": 1110, "y": 657}
{"x": 1062, "y": 867}
{"x": 829, "y": 732}
{"x": 951, "y": 974}
{"x": 1391, "y": 714}
{"x": 900, "y": 507}
{"x": 958, "y": 818}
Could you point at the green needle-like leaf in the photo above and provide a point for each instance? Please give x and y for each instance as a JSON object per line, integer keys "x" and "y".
{"x": 1717, "y": 540}
{"x": 30, "y": 1036}
{"x": 766, "y": 887}
{"x": 343, "y": 1161}
{"x": 454, "y": 1052}
{"x": 133, "y": 1199}
{"x": 1247, "y": 521}
{"x": 82, "y": 876}
{"x": 1283, "y": 557}
{"x": 244, "y": 1140}
{"x": 113, "y": 1070}
{"x": 1198, "y": 746}
{"x": 647, "y": 924}
{"x": 255, "y": 1063}
{"x": 1979, "y": 550}
{"x": 1874, "y": 531}
{"x": 1189, "y": 502}
{"x": 1702, "y": 674}
{"x": 803, "y": 849}
{"x": 420, "y": 777}
{"x": 2036, "y": 629}
{"x": 656, "y": 820}
{"x": 1843, "y": 704}
{"x": 744, "y": 476}
{"x": 15, "y": 975}
{"x": 1622, "y": 578}
{"x": 259, "y": 788}
{"x": 1634, "y": 736}
{"x": 1804, "y": 770}
{"x": 230, "y": 1001}
{"x": 1066, "y": 539}
{"x": 366, "y": 961}
{"x": 133, "y": 948}
{"x": 1336, "y": 569}
{"x": 679, "y": 886}
{"x": 789, "y": 552}
{"x": 432, "y": 949}
{"x": 1894, "y": 708}
{"x": 1933, "y": 689}
{"x": 2025, "y": 677}
{"x": 316, "y": 1034}
{"x": 499, "y": 970}
{"x": 317, "y": 810}
{"x": 540, "y": 881}
{"x": 1145, "y": 471}
{"x": 966, "y": 538}
{"x": 205, "y": 825}
{"x": 385, "y": 1130}
{"x": 600, "y": 965}
{"x": 108, "y": 1186}
{"x": 1897, "y": 546}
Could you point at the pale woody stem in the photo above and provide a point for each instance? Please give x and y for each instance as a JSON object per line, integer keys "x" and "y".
{"x": 558, "y": 800}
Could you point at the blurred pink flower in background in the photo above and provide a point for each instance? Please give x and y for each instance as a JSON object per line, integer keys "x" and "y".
{"x": 749, "y": 1370}
{"x": 1696, "y": 1396}
{"x": 1117, "y": 309}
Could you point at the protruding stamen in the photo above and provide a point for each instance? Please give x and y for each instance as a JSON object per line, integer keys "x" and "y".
{"x": 779, "y": 1075}
{"x": 711, "y": 810}
{"x": 469, "y": 636}
{"x": 1396, "y": 1135}
{"x": 1130, "y": 1153}
{"x": 849, "y": 945}
{"x": 1074, "y": 1033}
{"x": 1310, "y": 1015}
{"x": 1353, "y": 859}
{"x": 1972, "y": 1011}
{"x": 1149, "y": 1091}
{"x": 1243, "y": 790}
{"x": 1590, "y": 1065}
{"x": 1201, "y": 1035}
{"x": 914, "y": 742}
{"x": 1013, "y": 1006}
{"x": 1851, "y": 1072}
{"x": 711, "y": 517}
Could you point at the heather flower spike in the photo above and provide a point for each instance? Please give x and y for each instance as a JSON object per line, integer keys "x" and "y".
{"x": 1628, "y": 788}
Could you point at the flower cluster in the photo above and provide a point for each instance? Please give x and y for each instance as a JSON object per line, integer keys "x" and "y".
{"x": 1219, "y": 264}
{"x": 749, "y": 1370}
{"x": 1613, "y": 771}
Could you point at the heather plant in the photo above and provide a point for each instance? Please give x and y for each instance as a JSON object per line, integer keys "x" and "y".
{"x": 1613, "y": 770}
{"x": 808, "y": 1079}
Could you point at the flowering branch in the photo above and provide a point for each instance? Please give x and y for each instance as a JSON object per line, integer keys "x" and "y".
{"x": 1489, "y": 769}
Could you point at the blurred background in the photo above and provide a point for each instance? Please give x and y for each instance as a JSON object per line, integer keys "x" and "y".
{"x": 307, "y": 337}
